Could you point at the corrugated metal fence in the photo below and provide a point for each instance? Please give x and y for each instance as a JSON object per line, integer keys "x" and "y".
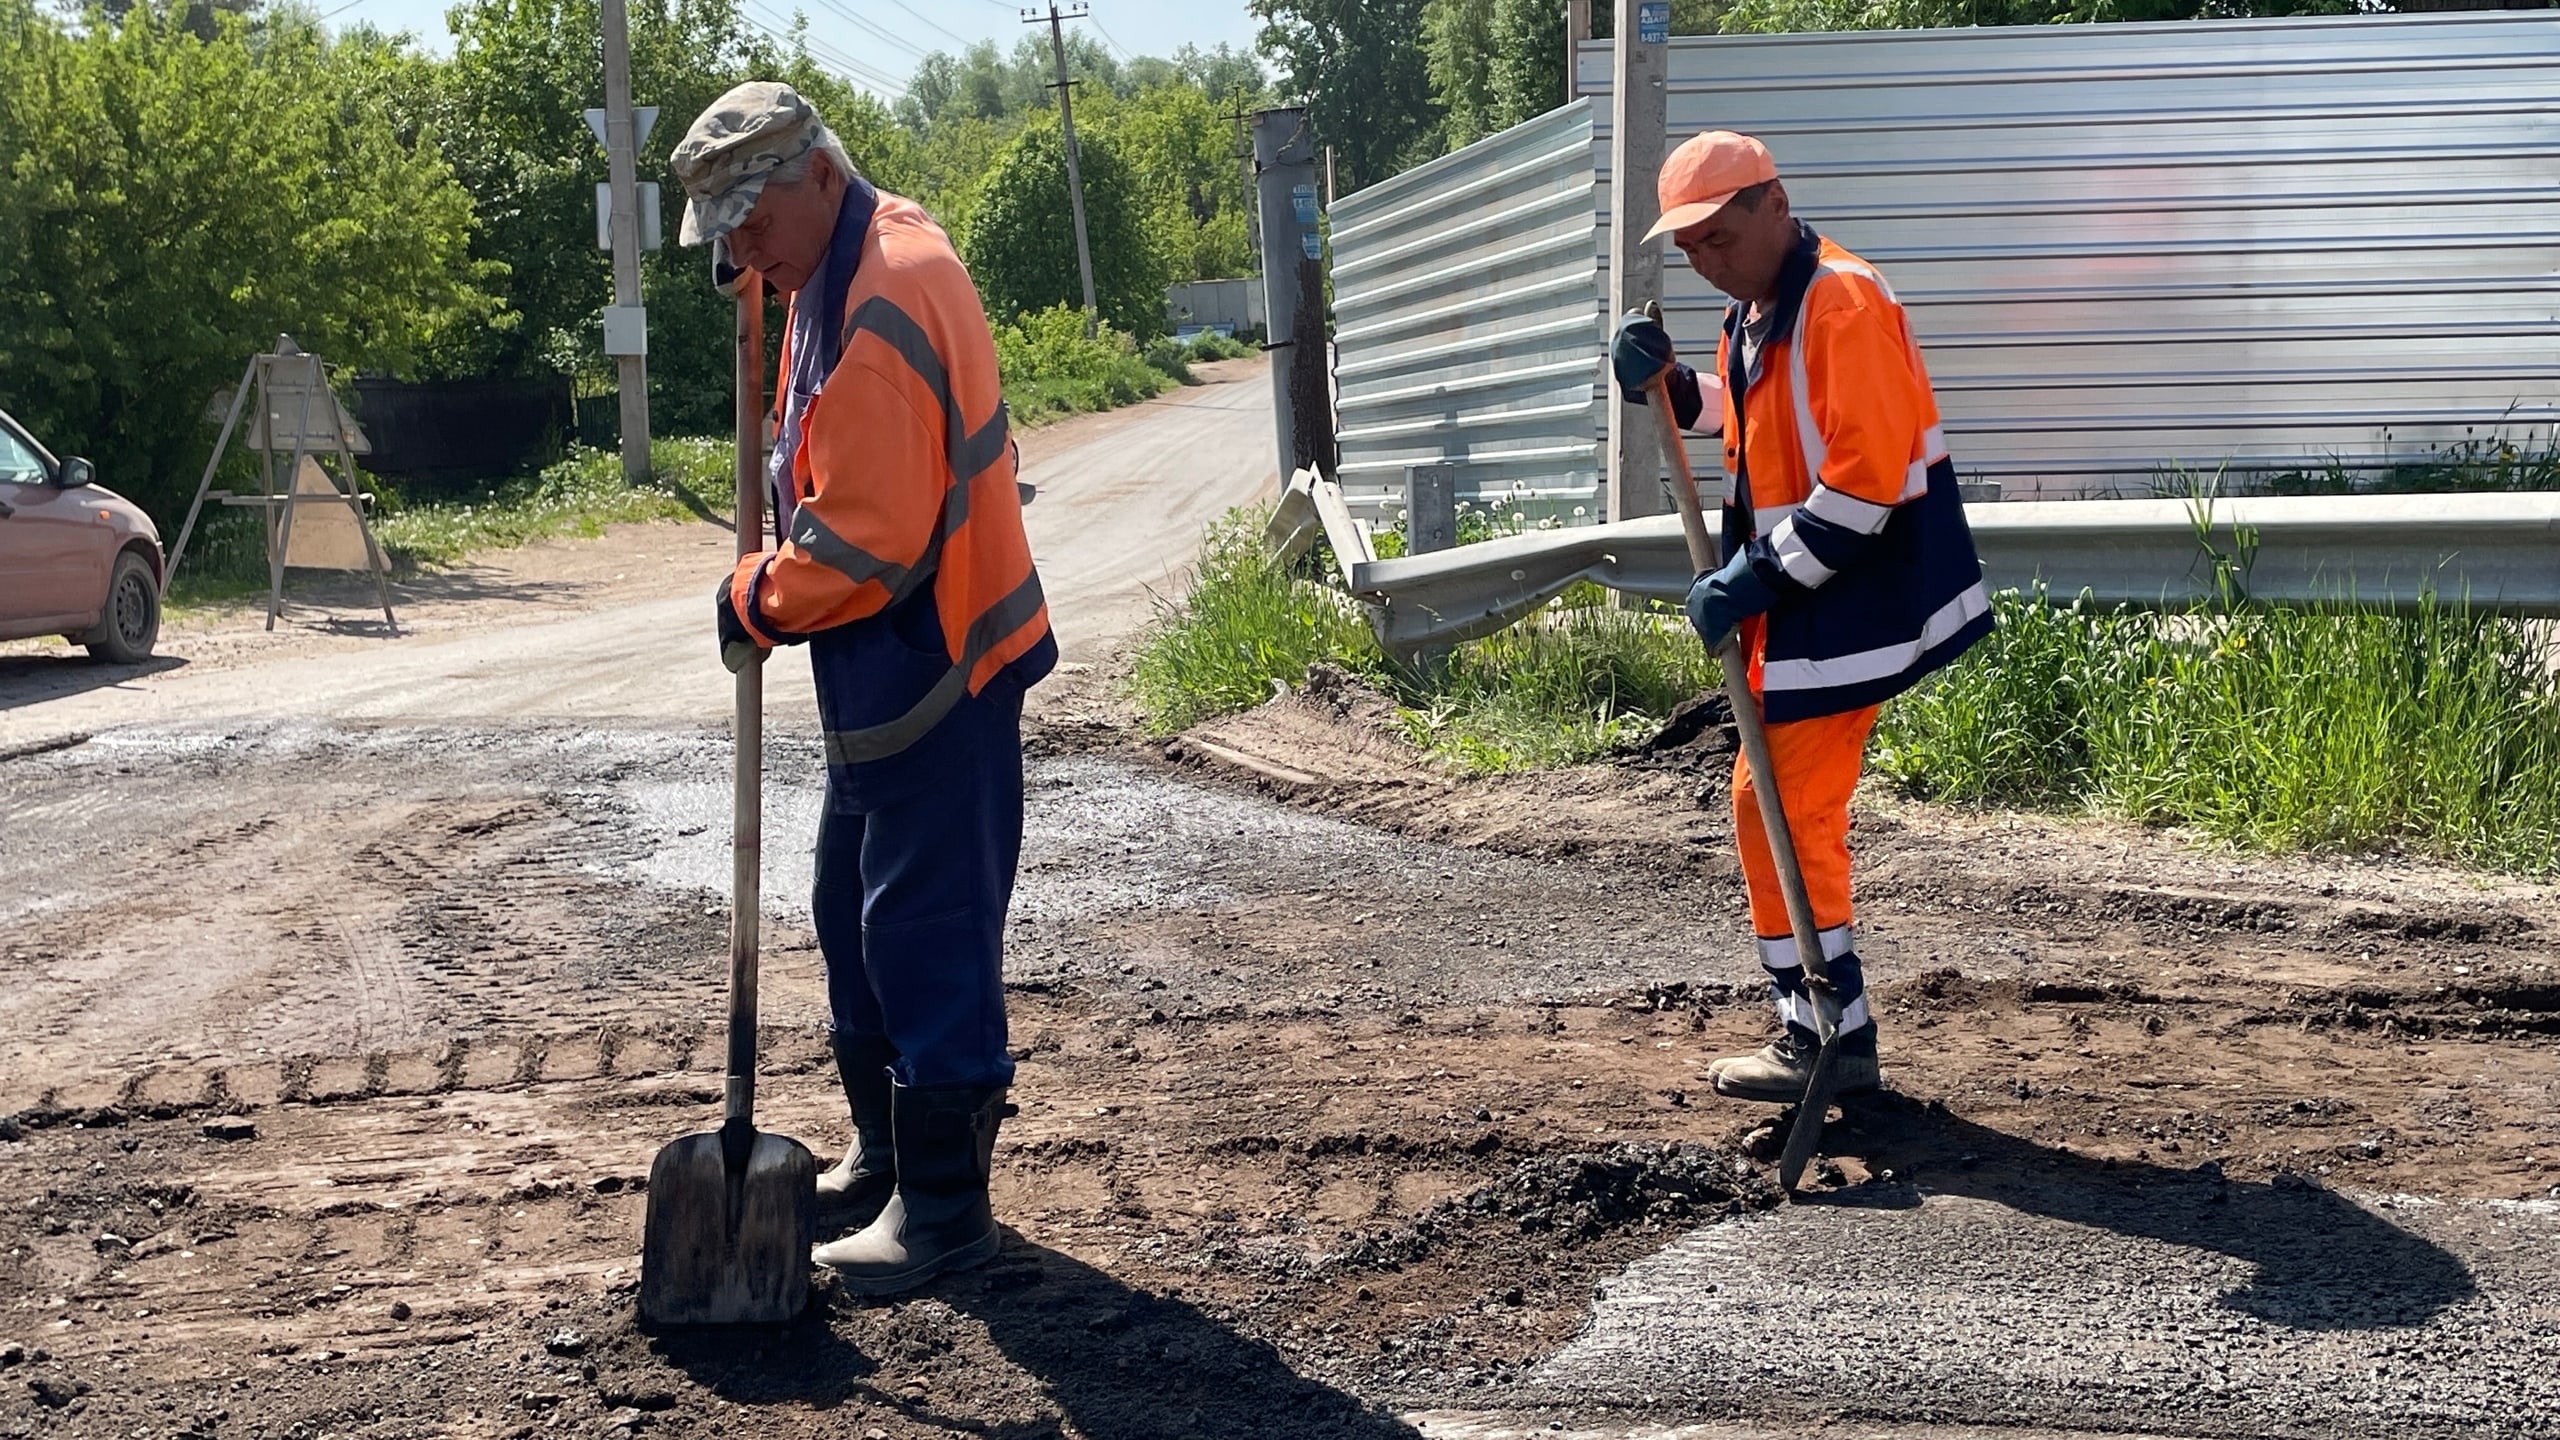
{"x": 2266, "y": 244}
{"x": 1467, "y": 307}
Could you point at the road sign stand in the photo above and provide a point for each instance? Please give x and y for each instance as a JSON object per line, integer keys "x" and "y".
{"x": 288, "y": 384}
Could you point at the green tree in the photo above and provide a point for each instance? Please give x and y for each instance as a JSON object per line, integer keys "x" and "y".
{"x": 169, "y": 204}
{"x": 1528, "y": 60}
{"x": 1360, "y": 67}
{"x": 1020, "y": 240}
{"x": 1457, "y": 41}
{"x": 1181, "y": 156}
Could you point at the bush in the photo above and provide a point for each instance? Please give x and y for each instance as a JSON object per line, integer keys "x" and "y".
{"x": 1050, "y": 368}
{"x": 1210, "y": 345}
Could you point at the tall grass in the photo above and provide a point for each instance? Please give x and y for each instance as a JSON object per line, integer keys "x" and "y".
{"x": 1567, "y": 685}
{"x": 2437, "y": 730}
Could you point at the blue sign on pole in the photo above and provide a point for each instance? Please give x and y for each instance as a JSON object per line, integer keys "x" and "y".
{"x": 1314, "y": 245}
{"x": 1302, "y": 199}
{"x": 1653, "y": 22}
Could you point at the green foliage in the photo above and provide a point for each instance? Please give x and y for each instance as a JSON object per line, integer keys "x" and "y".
{"x": 1020, "y": 241}
{"x": 1568, "y": 685}
{"x": 1210, "y": 345}
{"x": 1181, "y": 159}
{"x": 169, "y": 204}
{"x": 1774, "y": 16}
{"x": 509, "y": 109}
{"x": 1364, "y": 78}
{"x": 1050, "y": 369}
{"x": 1246, "y": 622}
{"x": 2437, "y": 730}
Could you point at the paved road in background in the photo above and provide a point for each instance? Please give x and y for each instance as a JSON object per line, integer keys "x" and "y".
{"x": 1121, "y": 506}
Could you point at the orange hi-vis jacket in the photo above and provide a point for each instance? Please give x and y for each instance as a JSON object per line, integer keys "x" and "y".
{"x": 906, "y": 564}
{"x": 1839, "y": 485}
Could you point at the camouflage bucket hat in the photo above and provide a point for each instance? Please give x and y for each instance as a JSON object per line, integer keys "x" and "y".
{"x": 732, "y": 148}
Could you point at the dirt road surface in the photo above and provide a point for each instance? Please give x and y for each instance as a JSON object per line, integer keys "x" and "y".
{"x": 350, "y": 984}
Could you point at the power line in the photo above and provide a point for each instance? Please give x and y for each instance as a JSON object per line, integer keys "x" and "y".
{"x": 920, "y": 15}
{"x": 885, "y": 36}
{"x": 847, "y": 68}
{"x": 1116, "y": 47}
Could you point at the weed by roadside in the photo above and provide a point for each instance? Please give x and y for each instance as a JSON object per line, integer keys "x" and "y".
{"x": 1569, "y": 685}
{"x": 1051, "y": 369}
{"x": 2438, "y": 730}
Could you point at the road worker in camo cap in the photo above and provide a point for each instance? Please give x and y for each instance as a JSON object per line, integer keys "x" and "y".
{"x": 901, "y": 562}
{"x": 1849, "y": 570}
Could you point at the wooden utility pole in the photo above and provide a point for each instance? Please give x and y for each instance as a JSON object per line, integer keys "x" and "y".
{"x": 1637, "y": 131}
{"x": 626, "y": 328}
{"x": 1065, "y": 87}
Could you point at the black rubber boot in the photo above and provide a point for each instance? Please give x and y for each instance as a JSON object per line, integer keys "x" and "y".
{"x": 938, "y": 1219}
{"x": 852, "y": 1194}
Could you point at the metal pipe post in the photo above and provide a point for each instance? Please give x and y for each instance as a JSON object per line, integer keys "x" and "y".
{"x": 1284, "y": 167}
{"x": 1637, "y": 131}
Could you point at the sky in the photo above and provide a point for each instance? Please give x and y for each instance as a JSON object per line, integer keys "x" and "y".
{"x": 886, "y": 37}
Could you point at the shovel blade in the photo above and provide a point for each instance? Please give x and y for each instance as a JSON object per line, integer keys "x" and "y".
{"x": 1804, "y": 1138}
{"x": 728, "y": 1248}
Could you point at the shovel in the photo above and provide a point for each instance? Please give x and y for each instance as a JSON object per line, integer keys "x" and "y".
{"x": 733, "y": 1213}
{"x": 1806, "y": 1134}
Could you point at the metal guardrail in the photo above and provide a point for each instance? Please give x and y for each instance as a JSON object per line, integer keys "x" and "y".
{"x": 2495, "y": 552}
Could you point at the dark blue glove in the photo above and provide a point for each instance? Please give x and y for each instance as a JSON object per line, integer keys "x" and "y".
{"x": 737, "y": 647}
{"x": 1723, "y": 599}
{"x": 1639, "y": 354}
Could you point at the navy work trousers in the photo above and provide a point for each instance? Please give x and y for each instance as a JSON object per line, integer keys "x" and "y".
{"x": 910, "y": 902}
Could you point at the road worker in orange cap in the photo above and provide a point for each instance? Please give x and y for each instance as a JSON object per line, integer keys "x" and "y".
{"x": 1849, "y": 570}
{"x": 901, "y": 563}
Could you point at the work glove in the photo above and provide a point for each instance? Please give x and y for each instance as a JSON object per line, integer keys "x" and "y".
{"x": 1723, "y": 599}
{"x": 738, "y": 649}
{"x": 1639, "y": 354}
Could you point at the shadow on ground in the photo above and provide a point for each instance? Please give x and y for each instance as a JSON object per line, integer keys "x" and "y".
{"x": 29, "y": 679}
{"x": 2323, "y": 1261}
{"x": 1124, "y": 1364}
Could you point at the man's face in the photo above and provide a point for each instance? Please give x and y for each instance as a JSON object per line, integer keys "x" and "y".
{"x": 785, "y": 236}
{"x": 1739, "y": 251}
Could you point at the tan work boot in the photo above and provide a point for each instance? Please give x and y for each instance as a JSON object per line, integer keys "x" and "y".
{"x": 1779, "y": 1072}
{"x": 852, "y": 1193}
{"x": 938, "y": 1219}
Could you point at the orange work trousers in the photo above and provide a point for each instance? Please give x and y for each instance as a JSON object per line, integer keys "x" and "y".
{"x": 1816, "y": 764}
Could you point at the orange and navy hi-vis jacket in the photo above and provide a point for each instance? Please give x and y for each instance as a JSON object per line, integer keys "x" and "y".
{"x": 905, "y": 566}
{"x": 1837, "y": 481}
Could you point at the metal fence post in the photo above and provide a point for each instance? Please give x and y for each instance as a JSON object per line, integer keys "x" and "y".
{"x": 1430, "y": 508}
{"x": 1636, "y": 138}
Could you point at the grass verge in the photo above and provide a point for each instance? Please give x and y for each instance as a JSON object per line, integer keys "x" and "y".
{"x": 1051, "y": 369}
{"x": 1566, "y": 686}
{"x": 2436, "y": 731}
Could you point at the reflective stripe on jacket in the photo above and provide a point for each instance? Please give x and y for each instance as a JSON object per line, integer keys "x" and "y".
{"x": 1838, "y": 481}
{"x": 904, "y": 479}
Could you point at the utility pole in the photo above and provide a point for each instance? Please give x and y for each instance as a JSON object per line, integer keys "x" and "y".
{"x": 1637, "y": 132}
{"x": 626, "y": 333}
{"x": 1075, "y": 166}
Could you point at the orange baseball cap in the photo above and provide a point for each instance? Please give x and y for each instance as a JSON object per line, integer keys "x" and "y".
{"x": 1705, "y": 172}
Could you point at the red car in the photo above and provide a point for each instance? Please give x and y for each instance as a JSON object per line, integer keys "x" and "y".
{"x": 76, "y": 560}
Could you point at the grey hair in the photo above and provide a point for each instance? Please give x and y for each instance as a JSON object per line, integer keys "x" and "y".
{"x": 796, "y": 169}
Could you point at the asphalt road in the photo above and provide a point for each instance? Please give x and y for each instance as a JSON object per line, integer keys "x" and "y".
{"x": 1120, "y": 510}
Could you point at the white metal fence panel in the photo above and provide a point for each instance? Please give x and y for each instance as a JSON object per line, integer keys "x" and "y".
{"x": 1468, "y": 325}
{"x": 2268, "y": 245}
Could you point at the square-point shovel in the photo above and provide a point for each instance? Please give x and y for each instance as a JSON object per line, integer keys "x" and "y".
{"x": 733, "y": 1213}
{"x": 1805, "y": 1136}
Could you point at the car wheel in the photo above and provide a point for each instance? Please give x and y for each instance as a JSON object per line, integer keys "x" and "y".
{"x": 131, "y": 625}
